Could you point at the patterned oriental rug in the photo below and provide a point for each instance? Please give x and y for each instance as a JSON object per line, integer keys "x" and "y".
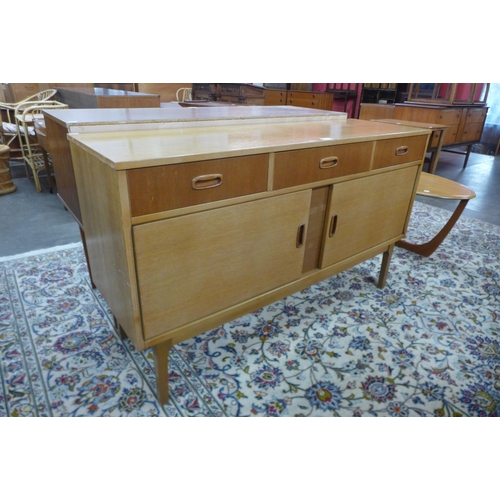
{"x": 426, "y": 345}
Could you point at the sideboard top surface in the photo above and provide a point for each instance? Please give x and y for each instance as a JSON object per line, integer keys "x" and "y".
{"x": 101, "y": 92}
{"x": 123, "y": 150}
{"x": 71, "y": 118}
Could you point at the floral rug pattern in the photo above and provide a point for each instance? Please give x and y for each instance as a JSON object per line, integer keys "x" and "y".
{"x": 428, "y": 344}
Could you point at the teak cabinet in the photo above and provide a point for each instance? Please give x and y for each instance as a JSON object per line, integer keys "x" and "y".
{"x": 465, "y": 123}
{"x": 315, "y": 100}
{"x": 253, "y": 212}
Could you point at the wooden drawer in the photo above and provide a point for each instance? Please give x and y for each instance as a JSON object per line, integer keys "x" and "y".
{"x": 304, "y": 103}
{"x": 472, "y": 132}
{"x": 450, "y": 135}
{"x": 401, "y": 150}
{"x": 274, "y": 97}
{"x": 292, "y": 168}
{"x": 449, "y": 116}
{"x": 157, "y": 189}
{"x": 476, "y": 115}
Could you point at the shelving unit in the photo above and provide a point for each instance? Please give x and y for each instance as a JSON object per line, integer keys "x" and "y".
{"x": 379, "y": 93}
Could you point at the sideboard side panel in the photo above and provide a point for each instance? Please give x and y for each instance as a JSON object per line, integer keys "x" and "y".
{"x": 100, "y": 191}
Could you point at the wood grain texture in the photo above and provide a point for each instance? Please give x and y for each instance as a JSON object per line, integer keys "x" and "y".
{"x": 96, "y": 97}
{"x": 434, "y": 186}
{"x": 369, "y": 111}
{"x": 158, "y": 189}
{"x": 386, "y": 151}
{"x": 193, "y": 266}
{"x": 368, "y": 211}
{"x": 456, "y": 117}
{"x": 104, "y": 201}
{"x": 293, "y": 168}
{"x": 62, "y": 163}
{"x": 315, "y": 225}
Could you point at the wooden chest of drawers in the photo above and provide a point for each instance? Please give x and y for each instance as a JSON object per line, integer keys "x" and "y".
{"x": 315, "y": 100}
{"x": 465, "y": 122}
{"x": 189, "y": 228}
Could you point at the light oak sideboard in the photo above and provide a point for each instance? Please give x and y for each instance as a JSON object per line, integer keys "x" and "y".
{"x": 58, "y": 123}
{"x": 191, "y": 227}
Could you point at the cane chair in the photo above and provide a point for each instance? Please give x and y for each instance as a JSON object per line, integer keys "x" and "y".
{"x": 183, "y": 94}
{"x": 35, "y": 158}
{"x": 8, "y": 126}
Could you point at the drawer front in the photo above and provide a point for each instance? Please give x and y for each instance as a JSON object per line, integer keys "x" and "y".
{"x": 274, "y": 97}
{"x": 275, "y": 100}
{"x": 472, "y": 132}
{"x": 449, "y": 116}
{"x": 401, "y": 150}
{"x": 450, "y": 135}
{"x": 435, "y": 139}
{"x": 304, "y": 103}
{"x": 302, "y": 95}
{"x": 476, "y": 115}
{"x": 293, "y": 168}
{"x": 157, "y": 189}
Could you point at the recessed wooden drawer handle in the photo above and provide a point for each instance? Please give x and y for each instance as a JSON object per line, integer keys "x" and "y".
{"x": 330, "y": 162}
{"x": 333, "y": 226}
{"x": 206, "y": 181}
{"x": 300, "y": 235}
{"x": 402, "y": 150}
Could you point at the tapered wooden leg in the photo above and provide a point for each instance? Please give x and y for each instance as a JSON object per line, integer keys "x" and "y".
{"x": 160, "y": 353}
{"x": 84, "y": 242}
{"x": 427, "y": 249}
{"x": 467, "y": 154}
{"x": 384, "y": 269}
{"x": 435, "y": 154}
{"x": 122, "y": 333}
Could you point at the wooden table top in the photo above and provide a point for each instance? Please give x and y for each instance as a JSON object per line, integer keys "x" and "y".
{"x": 206, "y": 104}
{"x": 143, "y": 148}
{"x": 434, "y": 186}
{"x": 432, "y": 126}
{"x": 100, "y": 92}
{"x": 105, "y": 116}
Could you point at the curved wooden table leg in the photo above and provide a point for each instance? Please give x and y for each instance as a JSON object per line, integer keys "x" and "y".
{"x": 427, "y": 249}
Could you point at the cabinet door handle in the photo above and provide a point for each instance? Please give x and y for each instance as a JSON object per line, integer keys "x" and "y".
{"x": 206, "y": 181}
{"x": 329, "y": 162}
{"x": 300, "y": 235}
{"x": 333, "y": 226}
{"x": 402, "y": 150}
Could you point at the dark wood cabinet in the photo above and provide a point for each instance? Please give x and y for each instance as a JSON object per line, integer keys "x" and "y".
{"x": 235, "y": 93}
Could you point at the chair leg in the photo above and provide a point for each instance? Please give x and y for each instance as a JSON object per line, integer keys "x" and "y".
{"x": 27, "y": 168}
{"x": 37, "y": 180}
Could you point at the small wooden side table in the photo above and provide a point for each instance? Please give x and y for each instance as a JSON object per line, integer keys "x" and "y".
{"x": 6, "y": 184}
{"x": 434, "y": 186}
{"x": 435, "y": 127}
